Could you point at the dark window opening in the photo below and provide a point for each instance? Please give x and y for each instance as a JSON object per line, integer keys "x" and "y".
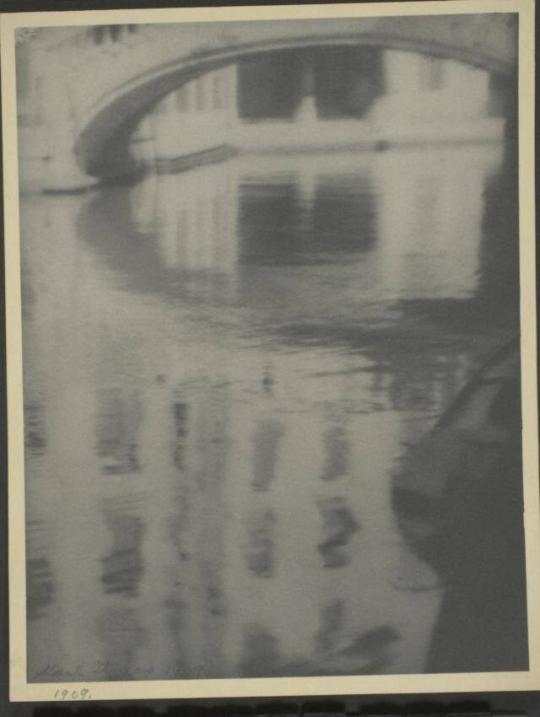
{"x": 199, "y": 94}
{"x": 182, "y": 99}
{"x": 433, "y": 73}
{"x": 269, "y": 86}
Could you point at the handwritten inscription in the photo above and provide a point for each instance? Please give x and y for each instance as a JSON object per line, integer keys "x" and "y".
{"x": 73, "y": 694}
{"x": 103, "y": 669}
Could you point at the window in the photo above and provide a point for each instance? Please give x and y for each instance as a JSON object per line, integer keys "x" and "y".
{"x": 218, "y": 91}
{"x": 160, "y": 108}
{"x": 199, "y": 93}
{"x": 432, "y": 73}
{"x": 182, "y": 99}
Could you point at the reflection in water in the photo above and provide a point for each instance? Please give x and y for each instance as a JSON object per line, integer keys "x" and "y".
{"x": 180, "y": 414}
{"x": 262, "y": 537}
{"x": 122, "y": 636}
{"x": 266, "y": 440}
{"x": 122, "y": 567}
{"x": 331, "y": 622}
{"x": 339, "y": 526}
{"x": 476, "y": 448}
{"x": 40, "y": 586}
{"x": 337, "y": 448}
{"x": 34, "y": 428}
{"x": 223, "y": 371}
{"x": 117, "y": 424}
{"x": 260, "y": 652}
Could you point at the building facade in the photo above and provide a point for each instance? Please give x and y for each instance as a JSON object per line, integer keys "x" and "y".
{"x": 307, "y": 99}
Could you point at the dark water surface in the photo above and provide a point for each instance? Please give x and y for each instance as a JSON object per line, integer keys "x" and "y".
{"x": 223, "y": 371}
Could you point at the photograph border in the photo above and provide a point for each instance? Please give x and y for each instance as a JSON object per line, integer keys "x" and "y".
{"x": 20, "y": 689}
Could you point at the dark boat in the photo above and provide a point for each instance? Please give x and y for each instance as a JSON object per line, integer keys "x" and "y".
{"x": 458, "y": 499}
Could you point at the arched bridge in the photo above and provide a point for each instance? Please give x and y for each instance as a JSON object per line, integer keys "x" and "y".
{"x": 117, "y": 73}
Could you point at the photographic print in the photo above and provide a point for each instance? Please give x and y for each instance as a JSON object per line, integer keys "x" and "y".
{"x": 271, "y": 350}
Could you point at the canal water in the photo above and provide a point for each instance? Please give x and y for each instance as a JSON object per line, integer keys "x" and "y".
{"x": 223, "y": 370}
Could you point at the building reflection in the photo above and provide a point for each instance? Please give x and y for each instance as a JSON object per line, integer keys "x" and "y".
{"x": 290, "y": 218}
{"x": 35, "y": 441}
{"x": 123, "y": 566}
{"x": 121, "y": 638}
{"x": 330, "y": 623}
{"x": 339, "y": 525}
{"x": 180, "y": 411}
{"x": 260, "y": 653}
{"x": 118, "y": 421}
{"x": 421, "y": 253}
{"x": 172, "y": 235}
{"x": 210, "y": 234}
{"x": 177, "y": 602}
{"x": 261, "y": 536}
{"x": 266, "y": 439}
{"x": 337, "y": 452}
{"x": 236, "y": 417}
{"x": 40, "y": 583}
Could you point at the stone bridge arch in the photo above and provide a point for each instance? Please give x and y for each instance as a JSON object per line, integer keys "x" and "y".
{"x": 121, "y": 79}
